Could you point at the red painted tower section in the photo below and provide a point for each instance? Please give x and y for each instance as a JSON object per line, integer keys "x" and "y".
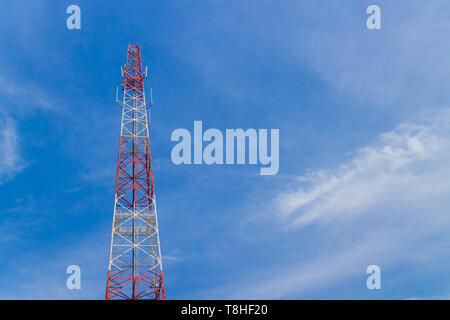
{"x": 135, "y": 262}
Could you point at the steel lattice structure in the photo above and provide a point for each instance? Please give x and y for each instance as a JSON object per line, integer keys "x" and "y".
{"x": 135, "y": 263}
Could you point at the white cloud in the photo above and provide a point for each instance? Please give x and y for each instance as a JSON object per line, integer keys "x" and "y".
{"x": 173, "y": 257}
{"x": 42, "y": 275}
{"x": 10, "y": 160}
{"x": 407, "y": 163}
{"x": 387, "y": 205}
{"x": 18, "y": 101}
{"x": 404, "y": 64}
{"x": 305, "y": 277}
{"x": 25, "y": 98}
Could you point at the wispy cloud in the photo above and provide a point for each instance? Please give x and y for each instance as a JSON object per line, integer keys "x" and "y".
{"x": 386, "y": 205}
{"x": 11, "y": 161}
{"x": 387, "y": 67}
{"x": 304, "y": 277}
{"x": 174, "y": 256}
{"x": 42, "y": 275}
{"x": 403, "y": 65}
{"x": 406, "y": 163}
{"x": 25, "y": 98}
{"x": 18, "y": 102}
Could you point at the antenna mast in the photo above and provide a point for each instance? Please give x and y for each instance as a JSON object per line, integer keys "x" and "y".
{"x": 135, "y": 262}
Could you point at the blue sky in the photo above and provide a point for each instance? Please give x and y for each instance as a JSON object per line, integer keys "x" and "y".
{"x": 364, "y": 146}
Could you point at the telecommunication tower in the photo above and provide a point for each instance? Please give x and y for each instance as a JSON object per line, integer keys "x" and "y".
{"x": 135, "y": 262}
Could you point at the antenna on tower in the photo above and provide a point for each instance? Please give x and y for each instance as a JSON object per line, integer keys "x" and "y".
{"x": 151, "y": 96}
{"x": 117, "y": 97}
{"x": 145, "y": 72}
{"x": 151, "y": 100}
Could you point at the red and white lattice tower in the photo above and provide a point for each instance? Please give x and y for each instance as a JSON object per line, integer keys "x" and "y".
{"x": 135, "y": 264}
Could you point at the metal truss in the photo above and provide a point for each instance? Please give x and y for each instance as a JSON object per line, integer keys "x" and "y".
{"x": 135, "y": 263}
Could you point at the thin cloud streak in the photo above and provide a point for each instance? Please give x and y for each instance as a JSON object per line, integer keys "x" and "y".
{"x": 406, "y": 163}
{"x": 387, "y": 205}
{"x": 26, "y": 96}
{"x": 11, "y": 161}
